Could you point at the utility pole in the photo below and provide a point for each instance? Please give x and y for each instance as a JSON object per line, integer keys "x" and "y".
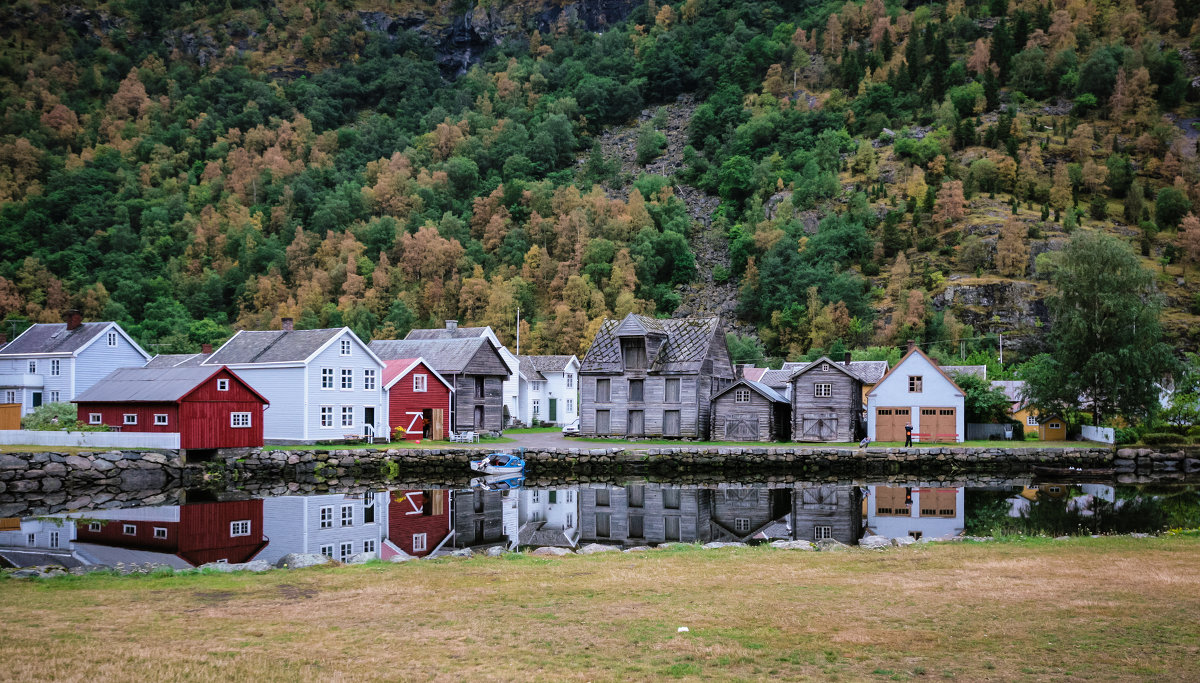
{"x": 518, "y": 331}
{"x": 1001, "y": 349}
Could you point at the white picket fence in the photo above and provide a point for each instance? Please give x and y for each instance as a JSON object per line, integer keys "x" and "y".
{"x": 21, "y": 437}
{"x": 1101, "y": 434}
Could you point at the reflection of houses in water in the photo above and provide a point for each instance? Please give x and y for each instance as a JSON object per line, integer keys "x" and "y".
{"x": 739, "y": 514}
{"x": 826, "y": 511}
{"x": 417, "y": 522}
{"x": 483, "y": 517}
{"x": 336, "y": 525}
{"x": 549, "y": 517}
{"x": 637, "y": 514}
{"x": 929, "y": 512}
{"x": 37, "y": 541}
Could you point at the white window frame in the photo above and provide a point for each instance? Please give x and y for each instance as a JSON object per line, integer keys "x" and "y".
{"x": 347, "y": 383}
{"x": 129, "y": 529}
{"x": 570, "y": 381}
{"x": 824, "y": 367}
{"x": 112, "y": 338}
{"x": 347, "y": 515}
{"x": 369, "y": 545}
{"x": 31, "y": 540}
{"x": 537, "y": 386}
{"x": 741, "y": 395}
{"x": 369, "y": 380}
{"x": 420, "y": 383}
{"x": 55, "y": 367}
{"x": 326, "y": 519}
{"x": 54, "y": 396}
{"x": 1054, "y": 425}
{"x": 240, "y": 420}
{"x": 327, "y": 416}
{"x": 1031, "y": 421}
{"x": 916, "y": 384}
{"x": 129, "y": 418}
{"x": 222, "y": 385}
{"x": 570, "y": 406}
{"x": 536, "y": 407}
{"x": 345, "y": 550}
{"x": 741, "y": 524}
{"x": 94, "y": 527}
{"x": 162, "y": 419}
{"x": 419, "y": 544}
{"x": 347, "y": 416}
{"x": 240, "y": 527}
{"x": 345, "y": 350}
{"x": 10, "y": 396}
{"x": 160, "y": 532}
{"x": 823, "y": 390}
{"x": 33, "y": 367}
{"x": 822, "y": 531}
{"x": 327, "y": 551}
{"x": 326, "y": 378}
{"x": 53, "y": 539}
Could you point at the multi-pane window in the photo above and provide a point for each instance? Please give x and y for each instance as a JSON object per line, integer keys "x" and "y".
{"x": 326, "y": 378}
{"x": 420, "y": 383}
{"x": 347, "y": 515}
{"x": 129, "y": 419}
{"x": 347, "y": 378}
{"x": 821, "y": 532}
{"x": 112, "y": 338}
{"x": 915, "y": 383}
{"x": 570, "y": 381}
{"x": 537, "y": 386}
{"x": 10, "y": 397}
{"x": 160, "y": 532}
{"x": 160, "y": 419}
{"x": 239, "y": 419}
{"x": 53, "y": 539}
{"x": 1031, "y": 421}
{"x": 94, "y": 526}
{"x": 222, "y": 385}
{"x": 345, "y": 347}
{"x": 741, "y": 524}
{"x": 570, "y": 405}
{"x": 31, "y": 540}
{"x": 129, "y": 529}
{"x": 347, "y": 416}
{"x": 327, "y": 551}
{"x": 54, "y": 396}
{"x": 822, "y": 390}
{"x": 369, "y": 380}
{"x": 327, "y": 517}
{"x": 326, "y": 416}
{"x": 33, "y": 367}
{"x": 240, "y": 527}
{"x": 369, "y": 545}
{"x": 741, "y": 396}
{"x": 55, "y": 368}
{"x": 418, "y": 543}
{"x": 537, "y": 409}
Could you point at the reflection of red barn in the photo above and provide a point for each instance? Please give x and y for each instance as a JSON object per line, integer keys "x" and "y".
{"x": 417, "y": 522}
{"x": 198, "y": 533}
{"x": 417, "y": 395}
{"x": 208, "y": 407}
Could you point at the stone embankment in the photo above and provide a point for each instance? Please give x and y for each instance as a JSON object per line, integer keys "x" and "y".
{"x": 46, "y": 483}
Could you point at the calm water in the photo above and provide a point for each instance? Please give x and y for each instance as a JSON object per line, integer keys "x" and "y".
{"x": 423, "y": 521}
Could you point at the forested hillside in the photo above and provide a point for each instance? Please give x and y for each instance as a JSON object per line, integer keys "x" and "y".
{"x": 884, "y": 171}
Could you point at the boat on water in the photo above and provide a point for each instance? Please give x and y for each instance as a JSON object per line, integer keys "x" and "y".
{"x": 499, "y": 463}
{"x": 498, "y": 482}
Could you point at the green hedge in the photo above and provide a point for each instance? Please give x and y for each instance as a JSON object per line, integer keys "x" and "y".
{"x": 1163, "y": 438}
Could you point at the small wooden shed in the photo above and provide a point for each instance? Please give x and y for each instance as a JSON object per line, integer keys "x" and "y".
{"x": 750, "y": 411}
{"x": 826, "y": 402}
{"x": 418, "y": 399}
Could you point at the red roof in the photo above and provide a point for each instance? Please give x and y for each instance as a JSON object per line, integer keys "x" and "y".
{"x": 392, "y": 368}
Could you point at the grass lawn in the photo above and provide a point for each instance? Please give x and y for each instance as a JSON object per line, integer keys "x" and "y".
{"x": 484, "y": 442}
{"x": 874, "y": 444}
{"x": 1111, "y": 608}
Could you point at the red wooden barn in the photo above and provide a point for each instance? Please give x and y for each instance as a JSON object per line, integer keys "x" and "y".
{"x": 229, "y": 531}
{"x": 207, "y": 407}
{"x": 418, "y": 398}
{"x": 417, "y": 522}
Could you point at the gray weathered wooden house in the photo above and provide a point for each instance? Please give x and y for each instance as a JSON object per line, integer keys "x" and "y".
{"x": 750, "y": 411}
{"x": 741, "y": 513}
{"x": 473, "y": 366}
{"x": 826, "y": 402}
{"x": 648, "y": 377}
{"x": 638, "y": 514}
{"x": 821, "y": 511}
{"x": 478, "y": 518}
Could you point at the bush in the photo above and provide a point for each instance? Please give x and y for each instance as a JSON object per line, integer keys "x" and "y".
{"x": 1194, "y": 431}
{"x": 650, "y": 144}
{"x": 57, "y": 417}
{"x": 1125, "y": 435}
{"x": 1162, "y": 439}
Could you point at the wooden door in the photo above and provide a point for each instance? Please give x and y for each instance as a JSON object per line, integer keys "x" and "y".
{"x": 741, "y": 428}
{"x": 439, "y": 425}
{"x": 554, "y": 410}
{"x": 819, "y": 428}
{"x": 889, "y": 423}
{"x": 479, "y": 418}
{"x": 935, "y": 421}
{"x": 602, "y": 422}
{"x": 637, "y": 423}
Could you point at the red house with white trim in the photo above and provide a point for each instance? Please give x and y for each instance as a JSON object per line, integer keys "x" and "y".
{"x": 208, "y": 407}
{"x": 199, "y": 533}
{"x": 418, "y": 398}
{"x": 418, "y": 521}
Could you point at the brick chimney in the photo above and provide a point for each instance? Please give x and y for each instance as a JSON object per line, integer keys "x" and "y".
{"x": 74, "y": 319}
{"x": 451, "y": 324}
{"x": 846, "y": 360}
{"x": 912, "y": 344}
{"x": 287, "y": 324}
{"x": 206, "y": 349}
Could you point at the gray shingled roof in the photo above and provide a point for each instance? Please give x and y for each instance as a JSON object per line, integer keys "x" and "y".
{"x": 979, "y": 371}
{"x": 271, "y": 346}
{"x": 530, "y": 370}
{"x": 177, "y": 360}
{"x": 443, "y": 333}
{"x": 444, "y": 355}
{"x": 766, "y": 391}
{"x": 776, "y": 378}
{"x": 549, "y": 363}
{"x": 1011, "y": 387}
{"x": 535, "y": 533}
{"x": 53, "y": 338}
{"x": 685, "y": 349}
{"x": 870, "y": 371}
{"x": 153, "y": 385}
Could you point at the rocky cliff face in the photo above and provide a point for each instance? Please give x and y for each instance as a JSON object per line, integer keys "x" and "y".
{"x": 460, "y": 38}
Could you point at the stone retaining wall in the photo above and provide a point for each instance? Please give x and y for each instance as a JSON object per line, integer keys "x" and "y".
{"x": 46, "y": 483}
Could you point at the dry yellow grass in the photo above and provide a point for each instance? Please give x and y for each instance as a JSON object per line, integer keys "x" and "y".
{"x": 1095, "y": 608}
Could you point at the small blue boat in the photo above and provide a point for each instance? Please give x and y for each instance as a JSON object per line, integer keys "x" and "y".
{"x": 498, "y": 482}
{"x": 499, "y": 463}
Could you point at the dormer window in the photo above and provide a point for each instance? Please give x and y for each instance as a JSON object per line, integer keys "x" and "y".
{"x": 824, "y": 367}
{"x": 633, "y": 351}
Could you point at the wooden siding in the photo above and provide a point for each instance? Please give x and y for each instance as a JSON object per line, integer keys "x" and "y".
{"x": 836, "y": 506}
{"x": 465, "y": 402}
{"x": 112, "y": 533}
{"x": 204, "y": 531}
{"x": 759, "y": 411}
{"x": 755, "y": 505}
{"x": 112, "y": 414}
{"x": 491, "y": 514}
{"x": 844, "y": 404}
{"x": 418, "y": 512}
{"x": 692, "y": 515}
{"x": 653, "y": 404}
{"x": 402, "y": 400}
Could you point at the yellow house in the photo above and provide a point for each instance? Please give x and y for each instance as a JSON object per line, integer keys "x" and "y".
{"x": 1053, "y": 428}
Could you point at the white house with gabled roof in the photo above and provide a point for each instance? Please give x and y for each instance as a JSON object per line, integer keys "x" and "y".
{"x": 916, "y": 391}
{"x": 54, "y": 362}
{"x": 321, "y": 384}
{"x": 549, "y": 391}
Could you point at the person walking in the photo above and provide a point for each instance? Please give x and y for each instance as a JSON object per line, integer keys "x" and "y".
{"x": 908, "y": 435}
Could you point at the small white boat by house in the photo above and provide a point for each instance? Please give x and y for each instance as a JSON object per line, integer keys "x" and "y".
{"x": 499, "y": 463}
